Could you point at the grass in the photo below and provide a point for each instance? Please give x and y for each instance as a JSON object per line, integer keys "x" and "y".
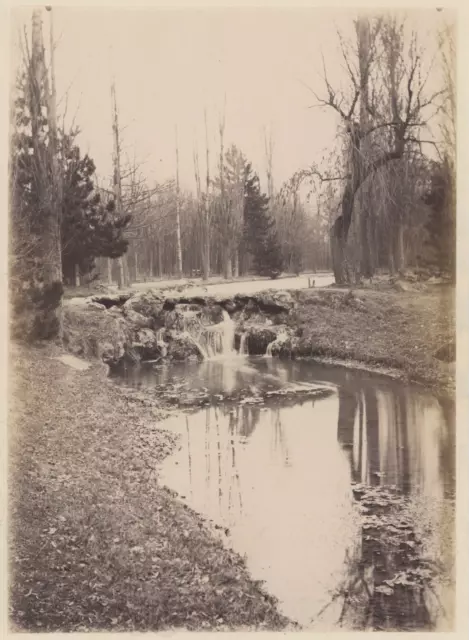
{"x": 95, "y": 542}
{"x": 395, "y": 331}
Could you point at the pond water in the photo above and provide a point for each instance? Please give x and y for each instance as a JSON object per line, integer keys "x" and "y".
{"x": 283, "y": 481}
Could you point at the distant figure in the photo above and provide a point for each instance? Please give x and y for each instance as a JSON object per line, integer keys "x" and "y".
{"x": 311, "y": 282}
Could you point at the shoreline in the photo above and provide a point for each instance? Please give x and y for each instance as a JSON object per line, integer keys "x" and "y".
{"x": 71, "y": 472}
{"x": 83, "y": 453}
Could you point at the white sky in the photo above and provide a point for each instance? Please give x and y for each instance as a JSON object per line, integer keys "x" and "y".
{"x": 171, "y": 64}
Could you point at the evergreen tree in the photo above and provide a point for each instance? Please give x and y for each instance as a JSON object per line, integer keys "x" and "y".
{"x": 34, "y": 293}
{"x": 260, "y": 230}
{"x": 89, "y": 228}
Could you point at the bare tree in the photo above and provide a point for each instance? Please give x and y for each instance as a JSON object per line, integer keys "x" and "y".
{"x": 123, "y": 278}
{"x": 389, "y": 88}
{"x": 269, "y": 152}
{"x": 178, "y": 213}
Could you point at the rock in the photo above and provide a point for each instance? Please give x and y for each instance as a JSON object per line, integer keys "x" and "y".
{"x": 285, "y": 346}
{"x": 95, "y": 305}
{"x": 171, "y": 320}
{"x": 212, "y": 313}
{"x": 258, "y": 338}
{"x": 94, "y": 333}
{"x": 228, "y": 304}
{"x": 111, "y": 299}
{"x": 274, "y": 301}
{"x": 136, "y": 319}
{"x": 148, "y": 304}
{"x": 117, "y": 312}
{"x": 111, "y": 354}
{"x": 181, "y": 347}
{"x": 146, "y": 345}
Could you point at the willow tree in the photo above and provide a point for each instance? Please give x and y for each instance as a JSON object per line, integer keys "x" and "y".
{"x": 382, "y": 113}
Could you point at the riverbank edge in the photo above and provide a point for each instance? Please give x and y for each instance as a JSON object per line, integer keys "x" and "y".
{"x": 149, "y": 411}
{"x": 76, "y": 477}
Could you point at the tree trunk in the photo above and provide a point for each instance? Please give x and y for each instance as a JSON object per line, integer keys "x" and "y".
{"x": 366, "y": 266}
{"x": 77, "y": 275}
{"x": 150, "y": 268}
{"x": 228, "y": 270}
{"x": 338, "y": 256}
{"x": 399, "y": 258}
{"x": 120, "y": 273}
{"x": 136, "y": 265}
{"x": 160, "y": 260}
{"x": 363, "y": 36}
{"x": 392, "y": 266}
{"x": 339, "y": 233}
{"x": 178, "y": 214}
{"x": 125, "y": 261}
{"x": 109, "y": 270}
{"x": 206, "y": 240}
{"x": 48, "y": 178}
{"x": 236, "y": 264}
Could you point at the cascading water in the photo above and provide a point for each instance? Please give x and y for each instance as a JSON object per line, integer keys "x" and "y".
{"x": 212, "y": 341}
{"x": 243, "y": 350}
{"x": 280, "y": 339}
{"x": 220, "y": 337}
{"x": 161, "y": 343}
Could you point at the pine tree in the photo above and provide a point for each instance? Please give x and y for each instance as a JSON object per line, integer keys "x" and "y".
{"x": 34, "y": 278}
{"x": 260, "y": 231}
{"x": 89, "y": 228}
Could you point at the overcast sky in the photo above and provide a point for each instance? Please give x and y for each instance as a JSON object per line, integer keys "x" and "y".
{"x": 171, "y": 64}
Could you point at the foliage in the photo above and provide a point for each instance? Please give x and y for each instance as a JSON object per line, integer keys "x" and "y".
{"x": 260, "y": 230}
{"x": 390, "y": 579}
{"x": 33, "y": 296}
{"x": 89, "y": 227}
{"x": 441, "y": 224}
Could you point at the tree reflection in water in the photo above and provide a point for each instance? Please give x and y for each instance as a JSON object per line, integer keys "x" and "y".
{"x": 390, "y": 582}
{"x": 247, "y": 466}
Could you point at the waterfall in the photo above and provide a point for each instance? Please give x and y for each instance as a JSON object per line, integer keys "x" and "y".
{"x": 243, "y": 350}
{"x": 161, "y": 343}
{"x": 212, "y": 341}
{"x": 219, "y": 338}
{"x": 280, "y": 339}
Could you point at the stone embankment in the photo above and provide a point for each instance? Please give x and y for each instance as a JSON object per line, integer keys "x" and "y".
{"x": 150, "y": 325}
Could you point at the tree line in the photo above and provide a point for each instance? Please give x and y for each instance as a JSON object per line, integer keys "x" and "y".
{"x": 384, "y": 200}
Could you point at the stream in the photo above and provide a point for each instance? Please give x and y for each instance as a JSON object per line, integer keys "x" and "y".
{"x": 344, "y": 505}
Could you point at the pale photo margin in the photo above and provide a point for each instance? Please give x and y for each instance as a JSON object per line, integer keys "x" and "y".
{"x": 462, "y": 404}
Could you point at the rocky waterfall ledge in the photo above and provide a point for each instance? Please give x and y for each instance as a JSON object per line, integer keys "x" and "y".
{"x": 157, "y": 326}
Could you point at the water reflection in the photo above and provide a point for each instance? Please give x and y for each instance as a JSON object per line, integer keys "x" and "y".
{"x": 344, "y": 506}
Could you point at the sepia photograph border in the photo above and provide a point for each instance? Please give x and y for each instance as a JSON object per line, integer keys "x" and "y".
{"x": 462, "y": 289}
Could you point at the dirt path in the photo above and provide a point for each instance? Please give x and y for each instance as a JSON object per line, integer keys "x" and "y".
{"x": 96, "y": 543}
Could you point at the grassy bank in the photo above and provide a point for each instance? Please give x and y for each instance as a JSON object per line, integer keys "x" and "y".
{"x": 96, "y": 543}
{"x": 394, "y": 332}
